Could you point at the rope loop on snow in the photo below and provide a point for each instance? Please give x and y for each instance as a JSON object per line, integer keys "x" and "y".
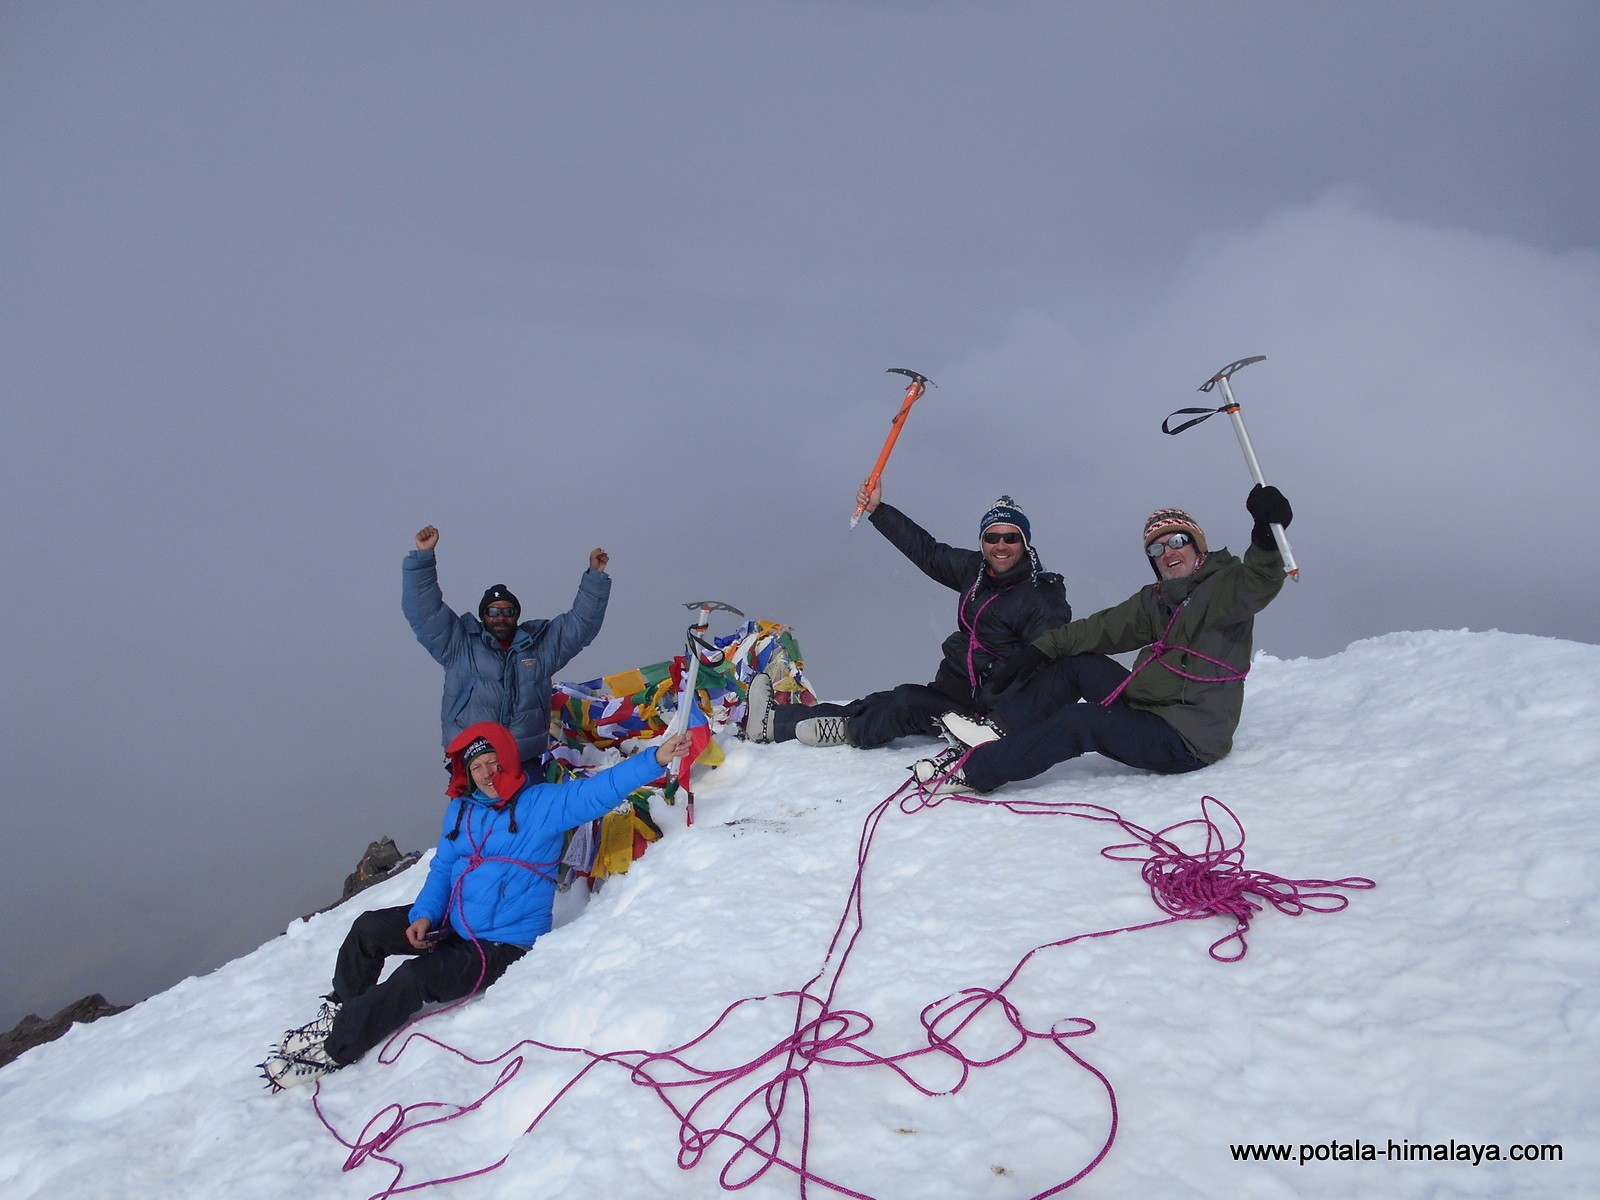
{"x": 746, "y": 1107}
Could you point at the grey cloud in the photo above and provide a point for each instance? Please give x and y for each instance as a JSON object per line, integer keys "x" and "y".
{"x": 283, "y": 284}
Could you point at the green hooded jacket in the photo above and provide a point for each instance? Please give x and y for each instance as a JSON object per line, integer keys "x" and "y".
{"x": 1216, "y": 609}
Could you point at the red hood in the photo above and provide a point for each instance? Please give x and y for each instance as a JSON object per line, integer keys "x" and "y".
{"x": 508, "y": 777}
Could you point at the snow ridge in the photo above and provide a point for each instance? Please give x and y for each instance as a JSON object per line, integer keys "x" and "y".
{"x": 1454, "y": 1003}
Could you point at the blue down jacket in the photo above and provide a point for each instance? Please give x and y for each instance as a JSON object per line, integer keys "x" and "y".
{"x": 482, "y": 682}
{"x": 503, "y": 899}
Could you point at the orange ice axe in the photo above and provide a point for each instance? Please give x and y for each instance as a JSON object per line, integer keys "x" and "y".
{"x": 918, "y": 385}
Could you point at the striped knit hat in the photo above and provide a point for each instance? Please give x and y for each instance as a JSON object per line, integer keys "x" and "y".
{"x": 1006, "y": 512}
{"x": 1170, "y": 520}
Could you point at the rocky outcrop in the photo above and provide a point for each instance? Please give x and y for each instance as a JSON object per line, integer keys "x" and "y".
{"x": 382, "y": 860}
{"x": 34, "y": 1031}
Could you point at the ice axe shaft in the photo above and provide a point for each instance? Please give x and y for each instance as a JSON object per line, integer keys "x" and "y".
{"x": 697, "y": 648}
{"x": 1234, "y": 412}
{"x": 918, "y": 385}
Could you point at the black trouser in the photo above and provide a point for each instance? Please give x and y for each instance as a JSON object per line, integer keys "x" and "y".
{"x": 370, "y": 1010}
{"x": 911, "y": 709}
{"x": 878, "y": 719}
{"x": 1042, "y": 729}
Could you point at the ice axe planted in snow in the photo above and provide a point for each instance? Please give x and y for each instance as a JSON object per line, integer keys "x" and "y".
{"x": 1232, "y": 409}
{"x": 914, "y": 390}
{"x": 698, "y": 650}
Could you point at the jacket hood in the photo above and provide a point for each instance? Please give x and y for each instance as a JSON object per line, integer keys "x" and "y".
{"x": 508, "y": 777}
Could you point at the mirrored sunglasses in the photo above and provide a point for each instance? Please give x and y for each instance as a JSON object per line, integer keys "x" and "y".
{"x": 499, "y": 610}
{"x": 1177, "y": 541}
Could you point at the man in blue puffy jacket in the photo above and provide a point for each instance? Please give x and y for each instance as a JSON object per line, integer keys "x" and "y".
{"x": 487, "y": 898}
{"x": 496, "y": 669}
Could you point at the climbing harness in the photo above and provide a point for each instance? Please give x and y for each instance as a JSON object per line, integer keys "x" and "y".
{"x": 1160, "y": 647}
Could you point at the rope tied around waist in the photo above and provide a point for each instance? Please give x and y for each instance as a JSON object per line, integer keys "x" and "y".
{"x": 1161, "y": 646}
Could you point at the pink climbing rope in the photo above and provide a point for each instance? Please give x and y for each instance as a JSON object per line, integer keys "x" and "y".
{"x": 973, "y": 644}
{"x": 747, "y": 1106}
{"x": 1160, "y": 647}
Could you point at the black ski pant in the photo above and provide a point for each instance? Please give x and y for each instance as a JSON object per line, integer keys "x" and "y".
{"x": 1041, "y": 732}
{"x": 912, "y": 708}
{"x": 878, "y": 719}
{"x": 370, "y": 1011}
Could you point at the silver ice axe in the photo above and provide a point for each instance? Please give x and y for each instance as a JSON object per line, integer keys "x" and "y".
{"x": 1233, "y": 410}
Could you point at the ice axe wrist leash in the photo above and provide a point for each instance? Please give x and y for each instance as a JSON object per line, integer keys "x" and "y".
{"x": 1233, "y": 410}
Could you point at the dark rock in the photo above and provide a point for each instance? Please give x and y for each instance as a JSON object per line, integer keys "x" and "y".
{"x": 382, "y": 860}
{"x": 34, "y": 1031}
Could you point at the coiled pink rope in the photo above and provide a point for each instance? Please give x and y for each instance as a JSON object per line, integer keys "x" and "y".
{"x": 749, "y": 1107}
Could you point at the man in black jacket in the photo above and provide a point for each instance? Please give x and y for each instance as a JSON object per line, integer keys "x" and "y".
{"x": 1178, "y": 709}
{"x": 1006, "y": 601}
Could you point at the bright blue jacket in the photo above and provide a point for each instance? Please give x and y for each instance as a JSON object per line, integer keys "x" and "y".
{"x": 482, "y": 682}
{"x": 508, "y": 901}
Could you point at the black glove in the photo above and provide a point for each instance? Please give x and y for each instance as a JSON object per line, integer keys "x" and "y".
{"x": 1015, "y": 669}
{"x": 1268, "y": 506}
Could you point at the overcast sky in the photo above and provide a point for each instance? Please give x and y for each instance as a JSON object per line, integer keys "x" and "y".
{"x": 283, "y": 282}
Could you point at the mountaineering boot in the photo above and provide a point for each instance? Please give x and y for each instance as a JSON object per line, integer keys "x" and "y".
{"x": 939, "y": 775}
{"x": 304, "y": 1066}
{"x": 314, "y": 1032}
{"x": 822, "y": 731}
{"x": 762, "y": 710}
{"x": 967, "y": 732}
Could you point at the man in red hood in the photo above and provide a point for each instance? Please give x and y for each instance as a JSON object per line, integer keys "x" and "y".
{"x": 486, "y": 900}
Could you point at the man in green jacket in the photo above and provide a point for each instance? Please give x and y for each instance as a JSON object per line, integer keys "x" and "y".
{"x": 1177, "y": 710}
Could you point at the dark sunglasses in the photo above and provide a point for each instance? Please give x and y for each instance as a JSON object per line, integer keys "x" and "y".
{"x": 1177, "y": 541}
{"x": 1010, "y": 539}
{"x": 494, "y": 610}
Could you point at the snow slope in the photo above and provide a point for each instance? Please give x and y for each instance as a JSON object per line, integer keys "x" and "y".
{"x": 1454, "y": 1004}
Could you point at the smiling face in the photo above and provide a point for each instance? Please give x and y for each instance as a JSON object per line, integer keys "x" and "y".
{"x": 500, "y": 619}
{"x": 1003, "y": 547}
{"x": 482, "y": 770}
{"x": 1174, "y": 562}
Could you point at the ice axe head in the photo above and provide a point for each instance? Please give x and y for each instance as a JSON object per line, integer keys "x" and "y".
{"x": 711, "y": 606}
{"x": 708, "y": 653}
{"x": 910, "y": 374}
{"x": 1226, "y": 373}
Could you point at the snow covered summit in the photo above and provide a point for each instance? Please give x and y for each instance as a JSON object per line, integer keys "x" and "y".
{"x": 1382, "y": 1050}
